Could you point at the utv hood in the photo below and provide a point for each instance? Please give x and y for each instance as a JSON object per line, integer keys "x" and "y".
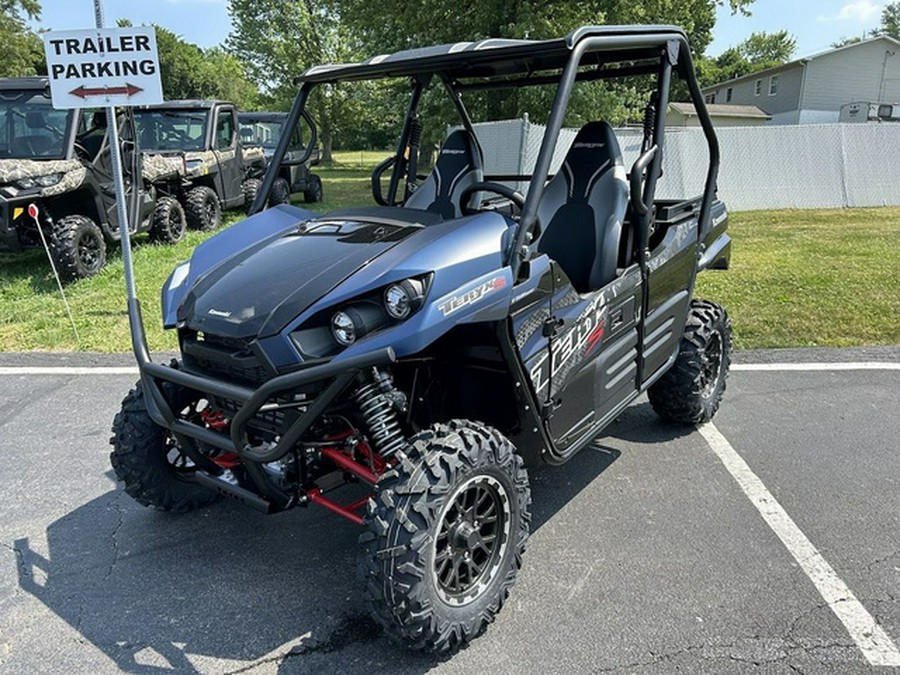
{"x": 157, "y": 165}
{"x": 68, "y": 173}
{"x": 259, "y": 291}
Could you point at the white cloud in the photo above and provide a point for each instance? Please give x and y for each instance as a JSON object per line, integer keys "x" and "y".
{"x": 856, "y": 11}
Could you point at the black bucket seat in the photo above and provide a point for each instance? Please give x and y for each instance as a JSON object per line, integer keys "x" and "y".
{"x": 458, "y": 166}
{"x": 582, "y": 209}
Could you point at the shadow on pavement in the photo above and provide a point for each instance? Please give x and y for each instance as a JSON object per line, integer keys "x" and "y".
{"x": 192, "y": 593}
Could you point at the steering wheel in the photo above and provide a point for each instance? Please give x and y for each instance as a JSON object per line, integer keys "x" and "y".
{"x": 173, "y": 135}
{"x": 514, "y": 196}
{"x": 81, "y": 150}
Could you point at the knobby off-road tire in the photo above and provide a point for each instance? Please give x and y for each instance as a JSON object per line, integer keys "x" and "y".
{"x": 77, "y": 247}
{"x": 201, "y": 205}
{"x": 313, "y": 194}
{"x": 146, "y": 460}
{"x": 169, "y": 222}
{"x": 280, "y": 193}
{"x": 251, "y": 188}
{"x": 691, "y": 390}
{"x": 456, "y": 503}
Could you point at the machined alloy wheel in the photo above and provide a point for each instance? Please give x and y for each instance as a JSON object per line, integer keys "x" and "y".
{"x": 445, "y": 534}
{"x": 472, "y": 538}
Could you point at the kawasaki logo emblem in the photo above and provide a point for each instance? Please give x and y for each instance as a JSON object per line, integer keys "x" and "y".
{"x": 474, "y": 295}
{"x": 216, "y": 312}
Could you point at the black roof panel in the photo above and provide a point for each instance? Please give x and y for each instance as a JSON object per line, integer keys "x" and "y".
{"x": 262, "y": 116}
{"x": 185, "y": 104}
{"x": 494, "y": 56}
{"x": 18, "y": 83}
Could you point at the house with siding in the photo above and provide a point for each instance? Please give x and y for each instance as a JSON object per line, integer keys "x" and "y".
{"x": 722, "y": 115}
{"x": 813, "y": 90}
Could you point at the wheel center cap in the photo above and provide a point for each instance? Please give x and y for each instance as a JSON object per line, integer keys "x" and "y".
{"x": 466, "y": 535}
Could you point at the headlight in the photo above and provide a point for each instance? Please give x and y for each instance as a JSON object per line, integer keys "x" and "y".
{"x": 343, "y": 328}
{"x": 41, "y": 181}
{"x": 49, "y": 179}
{"x": 355, "y": 321}
{"x": 191, "y": 165}
{"x": 400, "y": 300}
{"x": 397, "y": 302}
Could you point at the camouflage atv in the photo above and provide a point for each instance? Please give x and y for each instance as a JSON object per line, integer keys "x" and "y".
{"x": 56, "y": 164}
{"x": 263, "y": 129}
{"x": 193, "y": 156}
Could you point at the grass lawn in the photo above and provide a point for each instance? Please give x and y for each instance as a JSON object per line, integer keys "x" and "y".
{"x": 828, "y": 278}
{"x": 798, "y": 278}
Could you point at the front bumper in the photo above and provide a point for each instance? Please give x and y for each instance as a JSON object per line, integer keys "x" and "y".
{"x": 13, "y": 218}
{"x": 333, "y": 376}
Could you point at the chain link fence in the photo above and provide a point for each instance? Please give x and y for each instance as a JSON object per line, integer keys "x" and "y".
{"x": 770, "y": 167}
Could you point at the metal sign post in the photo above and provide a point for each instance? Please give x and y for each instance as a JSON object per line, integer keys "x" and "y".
{"x": 108, "y": 67}
{"x": 118, "y": 178}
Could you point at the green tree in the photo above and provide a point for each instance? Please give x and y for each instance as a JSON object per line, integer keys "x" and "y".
{"x": 188, "y": 71}
{"x": 226, "y": 76}
{"x": 22, "y": 51}
{"x": 757, "y": 52}
{"x": 768, "y": 49}
{"x": 890, "y": 20}
{"x": 845, "y": 41}
{"x": 391, "y": 25}
{"x": 278, "y": 40}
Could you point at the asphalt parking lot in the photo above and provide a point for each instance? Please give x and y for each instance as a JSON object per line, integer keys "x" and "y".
{"x": 767, "y": 543}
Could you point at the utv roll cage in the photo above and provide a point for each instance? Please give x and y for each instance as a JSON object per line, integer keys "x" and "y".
{"x": 587, "y": 54}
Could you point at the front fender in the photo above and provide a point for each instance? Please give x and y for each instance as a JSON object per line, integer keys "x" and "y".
{"x": 470, "y": 283}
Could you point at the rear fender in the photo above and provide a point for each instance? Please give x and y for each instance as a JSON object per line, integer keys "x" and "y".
{"x": 716, "y": 245}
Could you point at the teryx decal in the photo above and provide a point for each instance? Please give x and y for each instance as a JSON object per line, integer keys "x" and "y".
{"x": 572, "y": 347}
{"x": 474, "y": 295}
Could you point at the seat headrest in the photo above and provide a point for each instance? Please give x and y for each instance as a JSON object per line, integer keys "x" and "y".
{"x": 98, "y": 119}
{"x": 460, "y": 144}
{"x": 594, "y": 150}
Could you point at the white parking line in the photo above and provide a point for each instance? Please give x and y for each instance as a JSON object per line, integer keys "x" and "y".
{"x": 869, "y": 636}
{"x": 862, "y": 365}
{"x": 68, "y": 370}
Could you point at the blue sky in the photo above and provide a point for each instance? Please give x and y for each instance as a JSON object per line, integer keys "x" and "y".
{"x": 815, "y": 23}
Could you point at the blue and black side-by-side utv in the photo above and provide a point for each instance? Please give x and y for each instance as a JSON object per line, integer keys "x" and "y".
{"x": 431, "y": 345}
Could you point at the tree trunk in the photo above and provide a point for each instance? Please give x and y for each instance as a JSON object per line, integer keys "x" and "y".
{"x": 326, "y": 148}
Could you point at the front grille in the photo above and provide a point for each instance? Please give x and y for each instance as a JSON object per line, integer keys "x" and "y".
{"x": 224, "y": 358}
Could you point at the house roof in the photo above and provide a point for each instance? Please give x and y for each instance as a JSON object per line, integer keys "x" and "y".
{"x": 722, "y": 110}
{"x": 803, "y": 61}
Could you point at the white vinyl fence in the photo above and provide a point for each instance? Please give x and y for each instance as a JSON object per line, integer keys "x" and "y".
{"x": 819, "y": 166}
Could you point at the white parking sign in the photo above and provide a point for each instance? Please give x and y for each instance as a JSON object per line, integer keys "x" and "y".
{"x": 103, "y": 67}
